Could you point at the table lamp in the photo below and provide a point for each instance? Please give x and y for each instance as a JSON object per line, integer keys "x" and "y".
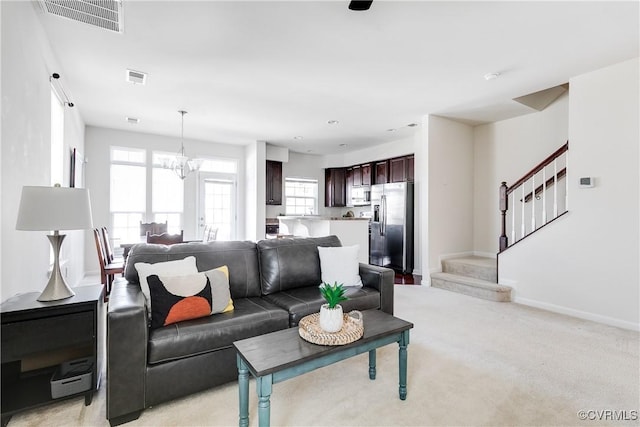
{"x": 54, "y": 208}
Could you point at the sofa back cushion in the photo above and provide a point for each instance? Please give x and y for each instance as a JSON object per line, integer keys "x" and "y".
{"x": 240, "y": 257}
{"x": 291, "y": 263}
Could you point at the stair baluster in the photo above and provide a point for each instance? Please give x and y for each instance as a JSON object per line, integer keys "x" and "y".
{"x": 537, "y": 193}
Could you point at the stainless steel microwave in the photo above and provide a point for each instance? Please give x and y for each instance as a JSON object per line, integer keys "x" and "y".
{"x": 360, "y": 196}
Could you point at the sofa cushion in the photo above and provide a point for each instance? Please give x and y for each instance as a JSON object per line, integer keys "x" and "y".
{"x": 179, "y": 298}
{"x": 240, "y": 257}
{"x": 291, "y": 263}
{"x": 177, "y": 267}
{"x": 219, "y": 279}
{"x": 301, "y": 302}
{"x": 340, "y": 265}
{"x": 251, "y": 317}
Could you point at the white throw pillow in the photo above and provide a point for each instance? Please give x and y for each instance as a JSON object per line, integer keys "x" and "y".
{"x": 178, "y": 267}
{"x": 340, "y": 264}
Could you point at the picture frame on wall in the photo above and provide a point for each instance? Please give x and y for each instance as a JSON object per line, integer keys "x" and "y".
{"x": 76, "y": 177}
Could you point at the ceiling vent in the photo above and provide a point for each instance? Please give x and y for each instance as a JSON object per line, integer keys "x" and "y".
{"x": 106, "y": 14}
{"x": 133, "y": 120}
{"x": 136, "y": 77}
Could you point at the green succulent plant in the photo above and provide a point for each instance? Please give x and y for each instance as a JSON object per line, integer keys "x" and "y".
{"x": 333, "y": 294}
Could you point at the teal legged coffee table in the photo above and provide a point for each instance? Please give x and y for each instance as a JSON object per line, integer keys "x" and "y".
{"x": 281, "y": 355}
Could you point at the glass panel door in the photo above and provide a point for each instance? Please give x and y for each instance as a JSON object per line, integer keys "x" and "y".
{"x": 218, "y": 205}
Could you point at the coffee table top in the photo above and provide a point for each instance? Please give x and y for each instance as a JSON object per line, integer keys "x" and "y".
{"x": 269, "y": 353}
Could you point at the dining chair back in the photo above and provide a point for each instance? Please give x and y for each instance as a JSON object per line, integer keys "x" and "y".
{"x": 108, "y": 250}
{"x": 165, "y": 238}
{"x": 153, "y": 228}
{"x": 210, "y": 233}
{"x": 108, "y": 270}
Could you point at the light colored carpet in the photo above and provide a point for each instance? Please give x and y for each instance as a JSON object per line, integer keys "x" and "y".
{"x": 471, "y": 362}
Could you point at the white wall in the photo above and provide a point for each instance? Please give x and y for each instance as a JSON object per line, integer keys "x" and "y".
{"x": 505, "y": 151}
{"x": 98, "y": 143}
{"x": 450, "y": 190}
{"x": 396, "y": 148}
{"x": 27, "y": 63}
{"x": 586, "y": 263}
{"x": 255, "y": 190}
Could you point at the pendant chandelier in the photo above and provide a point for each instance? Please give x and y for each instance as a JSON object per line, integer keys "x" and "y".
{"x": 183, "y": 165}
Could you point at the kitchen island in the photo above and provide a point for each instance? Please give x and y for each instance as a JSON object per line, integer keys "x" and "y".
{"x": 350, "y": 230}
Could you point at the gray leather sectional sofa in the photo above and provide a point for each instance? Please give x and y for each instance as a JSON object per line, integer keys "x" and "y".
{"x": 273, "y": 284}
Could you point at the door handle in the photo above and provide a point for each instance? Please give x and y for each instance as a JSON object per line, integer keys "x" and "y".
{"x": 383, "y": 221}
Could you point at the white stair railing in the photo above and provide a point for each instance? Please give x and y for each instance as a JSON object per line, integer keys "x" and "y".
{"x": 531, "y": 209}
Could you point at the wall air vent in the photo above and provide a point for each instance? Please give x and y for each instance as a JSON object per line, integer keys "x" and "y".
{"x": 105, "y": 14}
{"x": 136, "y": 77}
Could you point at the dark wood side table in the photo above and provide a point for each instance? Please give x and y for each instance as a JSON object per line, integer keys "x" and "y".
{"x": 38, "y": 336}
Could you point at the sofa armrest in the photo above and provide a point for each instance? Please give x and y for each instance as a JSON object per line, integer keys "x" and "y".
{"x": 380, "y": 278}
{"x": 127, "y": 337}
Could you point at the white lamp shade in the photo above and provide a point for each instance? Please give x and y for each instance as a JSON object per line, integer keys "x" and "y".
{"x": 54, "y": 208}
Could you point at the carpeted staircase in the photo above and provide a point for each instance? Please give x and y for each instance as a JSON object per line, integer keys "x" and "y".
{"x": 473, "y": 275}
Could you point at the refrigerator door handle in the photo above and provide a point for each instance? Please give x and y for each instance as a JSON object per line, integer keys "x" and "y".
{"x": 383, "y": 220}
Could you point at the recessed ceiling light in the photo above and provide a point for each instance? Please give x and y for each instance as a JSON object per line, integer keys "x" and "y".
{"x": 391, "y": 130}
{"x": 132, "y": 120}
{"x": 491, "y": 76}
{"x": 333, "y": 122}
{"x": 412, "y": 125}
{"x": 298, "y": 137}
{"x": 343, "y": 145}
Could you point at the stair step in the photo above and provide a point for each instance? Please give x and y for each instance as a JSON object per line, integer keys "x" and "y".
{"x": 477, "y": 267}
{"x": 471, "y": 286}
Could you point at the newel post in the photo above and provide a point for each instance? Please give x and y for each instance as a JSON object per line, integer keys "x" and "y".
{"x": 504, "y": 206}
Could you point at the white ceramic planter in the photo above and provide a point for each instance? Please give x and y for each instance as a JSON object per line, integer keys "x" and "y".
{"x": 331, "y": 318}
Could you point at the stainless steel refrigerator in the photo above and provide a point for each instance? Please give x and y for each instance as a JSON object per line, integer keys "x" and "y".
{"x": 391, "y": 238}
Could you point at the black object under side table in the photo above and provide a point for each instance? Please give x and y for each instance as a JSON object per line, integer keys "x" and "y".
{"x": 39, "y": 336}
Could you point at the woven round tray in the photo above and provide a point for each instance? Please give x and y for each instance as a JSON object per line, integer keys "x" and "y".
{"x": 310, "y": 330}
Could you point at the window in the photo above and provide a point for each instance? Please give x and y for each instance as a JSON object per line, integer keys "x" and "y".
{"x": 301, "y": 196}
{"x": 226, "y": 166}
{"x": 128, "y": 189}
{"x": 167, "y": 194}
{"x": 130, "y": 193}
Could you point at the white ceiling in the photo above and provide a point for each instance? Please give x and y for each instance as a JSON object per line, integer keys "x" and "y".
{"x": 270, "y": 71}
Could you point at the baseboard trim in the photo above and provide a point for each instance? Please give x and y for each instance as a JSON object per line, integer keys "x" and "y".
{"x": 578, "y": 313}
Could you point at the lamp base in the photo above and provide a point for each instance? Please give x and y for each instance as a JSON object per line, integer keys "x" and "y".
{"x": 57, "y": 287}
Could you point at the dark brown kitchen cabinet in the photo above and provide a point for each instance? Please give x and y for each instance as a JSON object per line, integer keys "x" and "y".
{"x": 365, "y": 171}
{"x": 410, "y": 172}
{"x": 335, "y": 194}
{"x": 381, "y": 174}
{"x": 274, "y": 183}
{"x": 401, "y": 169}
{"x": 349, "y": 186}
{"x": 357, "y": 176}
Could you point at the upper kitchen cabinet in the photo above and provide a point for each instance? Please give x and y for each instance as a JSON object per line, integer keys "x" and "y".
{"x": 381, "y": 172}
{"x": 349, "y": 185}
{"x": 410, "y": 173}
{"x": 274, "y": 182}
{"x": 401, "y": 169}
{"x": 335, "y": 187}
{"x": 365, "y": 172}
{"x": 357, "y": 176}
